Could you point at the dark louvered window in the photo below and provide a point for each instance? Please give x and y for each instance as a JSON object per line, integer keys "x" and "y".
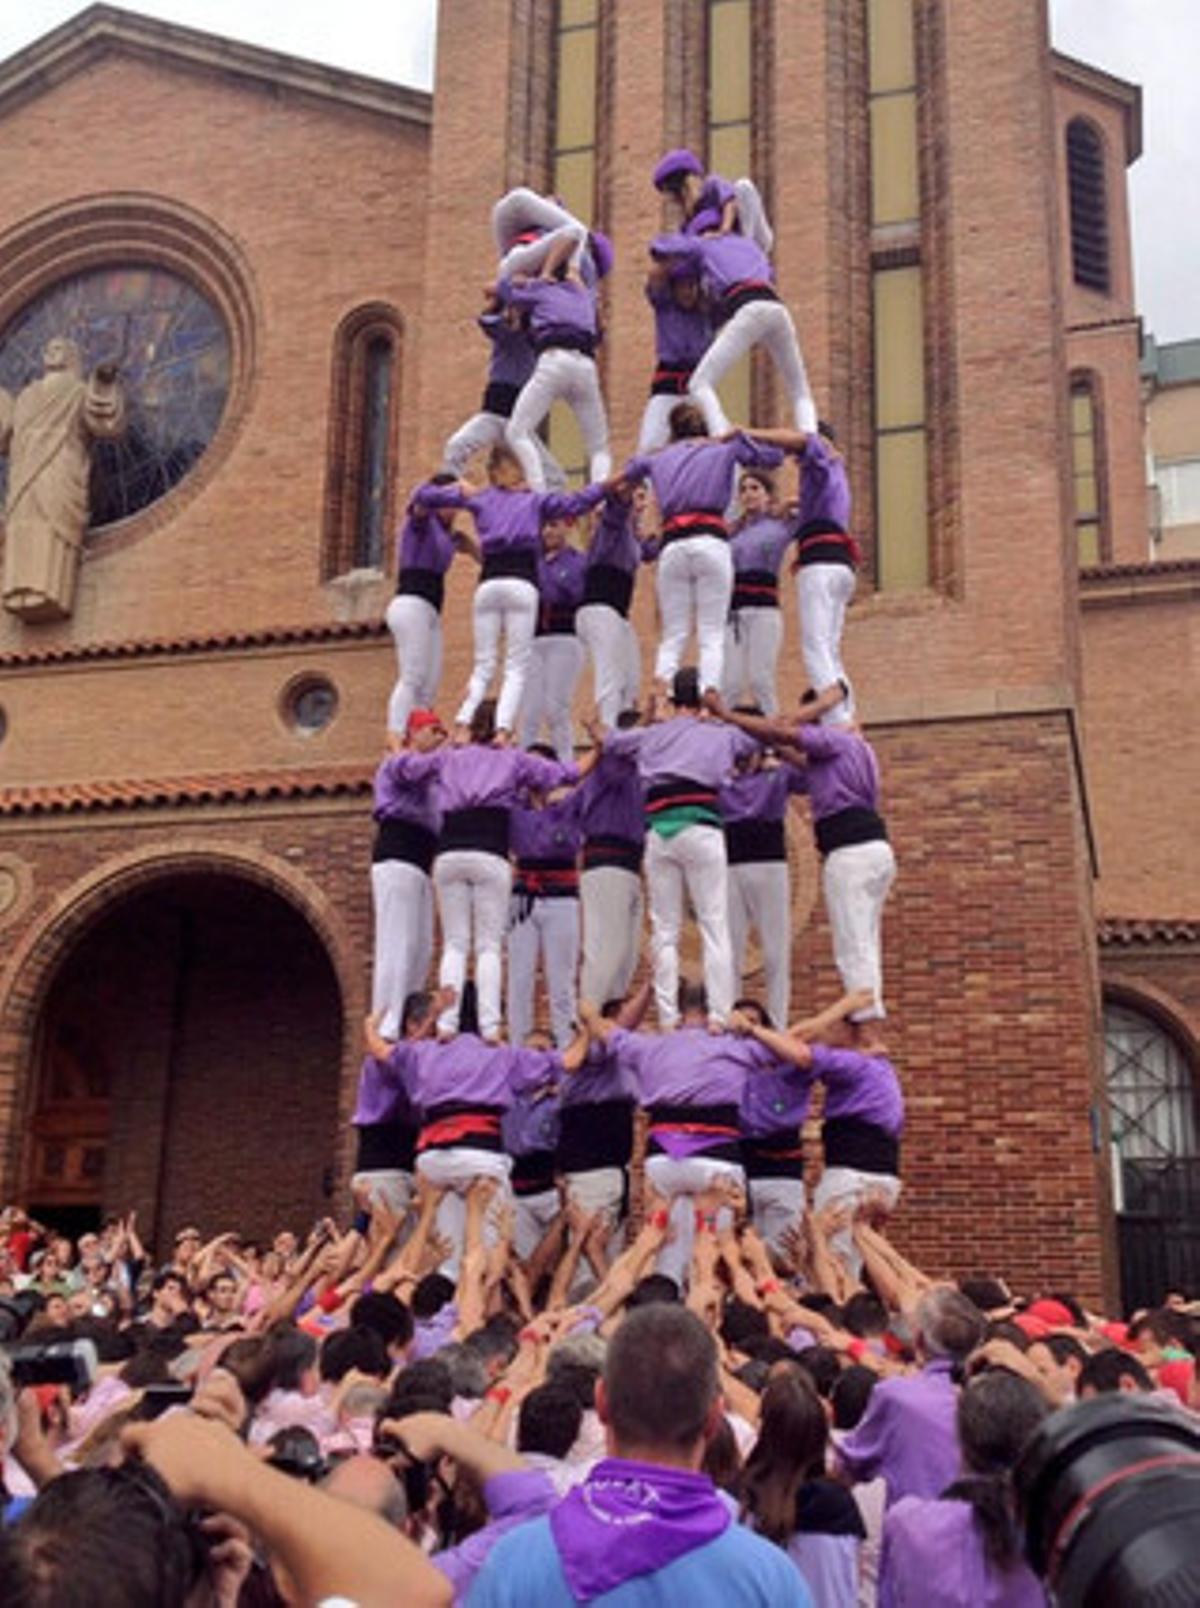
{"x": 1089, "y": 208}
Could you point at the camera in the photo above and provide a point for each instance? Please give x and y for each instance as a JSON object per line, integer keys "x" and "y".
{"x": 55, "y": 1362}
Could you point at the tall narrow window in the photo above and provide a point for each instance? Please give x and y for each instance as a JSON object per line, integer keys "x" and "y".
{"x": 573, "y": 167}
{"x": 1089, "y": 206}
{"x": 360, "y": 483}
{"x": 901, "y": 448}
{"x": 730, "y": 129}
{"x": 1085, "y": 471}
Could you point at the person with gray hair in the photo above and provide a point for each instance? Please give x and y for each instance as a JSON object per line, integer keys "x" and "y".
{"x": 909, "y": 1432}
{"x": 646, "y": 1524}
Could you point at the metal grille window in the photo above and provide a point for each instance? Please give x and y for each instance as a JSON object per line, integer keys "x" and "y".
{"x": 1089, "y": 206}
{"x": 1152, "y": 1100}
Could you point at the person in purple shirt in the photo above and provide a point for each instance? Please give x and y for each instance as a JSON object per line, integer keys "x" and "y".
{"x": 596, "y": 1105}
{"x": 691, "y": 1081}
{"x": 692, "y": 479}
{"x": 858, "y": 865}
{"x": 529, "y": 1131}
{"x": 557, "y": 651}
{"x": 682, "y": 331}
{"x": 739, "y": 283}
{"x": 602, "y": 622}
{"x": 612, "y": 814}
{"x": 508, "y": 521}
{"x": 754, "y": 806}
{"x": 476, "y": 786}
{"x": 407, "y": 822}
{"x": 385, "y": 1119}
{"x": 425, "y": 548}
{"x": 962, "y": 1548}
{"x": 683, "y": 762}
{"x": 544, "y": 922}
{"x": 754, "y": 633}
{"x": 511, "y": 365}
{"x": 560, "y": 310}
{"x": 909, "y": 1432}
{"x": 709, "y": 202}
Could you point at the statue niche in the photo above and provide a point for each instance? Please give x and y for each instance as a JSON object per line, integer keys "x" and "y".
{"x": 47, "y": 430}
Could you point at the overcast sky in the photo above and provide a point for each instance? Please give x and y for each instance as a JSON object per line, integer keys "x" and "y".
{"x": 1156, "y": 43}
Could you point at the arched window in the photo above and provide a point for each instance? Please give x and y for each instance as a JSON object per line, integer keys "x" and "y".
{"x": 360, "y": 485}
{"x": 1089, "y": 206}
{"x": 1155, "y": 1125}
{"x": 1087, "y": 471}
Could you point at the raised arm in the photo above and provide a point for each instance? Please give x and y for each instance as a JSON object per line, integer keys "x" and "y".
{"x": 813, "y": 1026}
{"x": 784, "y": 1045}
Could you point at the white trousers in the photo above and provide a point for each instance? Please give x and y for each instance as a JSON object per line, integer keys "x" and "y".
{"x": 692, "y": 863}
{"x": 480, "y": 433}
{"x": 616, "y": 658}
{"x": 556, "y": 663}
{"x": 561, "y": 376}
{"x": 416, "y": 629}
{"x": 612, "y": 908}
{"x": 856, "y": 880}
{"x": 455, "y": 1169}
{"x": 760, "y": 323}
{"x": 599, "y": 1189}
{"x": 403, "y": 898}
{"x": 508, "y": 606}
{"x": 387, "y": 1189}
{"x": 760, "y": 898}
{"x": 823, "y": 594}
{"x": 848, "y": 1187}
{"x": 776, "y": 1206}
{"x": 678, "y": 1181}
{"x": 656, "y": 422}
{"x": 695, "y": 582}
{"x": 522, "y": 209}
{"x": 533, "y": 1216}
{"x": 472, "y": 884}
{"x": 753, "y": 638}
{"x": 551, "y": 931}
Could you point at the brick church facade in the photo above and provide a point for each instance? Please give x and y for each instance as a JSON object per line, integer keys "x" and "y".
{"x": 185, "y": 761}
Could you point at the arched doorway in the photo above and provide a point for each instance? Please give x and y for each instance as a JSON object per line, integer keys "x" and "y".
{"x": 1154, "y": 1115}
{"x": 187, "y": 1061}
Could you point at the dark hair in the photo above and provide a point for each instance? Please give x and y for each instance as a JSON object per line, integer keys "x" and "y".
{"x": 146, "y": 1367}
{"x": 494, "y": 1341}
{"x": 1104, "y": 1371}
{"x": 986, "y": 1292}
{"x": 416, "y": 1005}
{"x": 293, "y": 1353}
{"x": 431, "y": 1294}
{"x": 112, "y": 1344}
{"x": 850, "y": 1394}
{"x": 170, "y": 1275}
{"x": 1062, "y": 1347}
{"x": 793, "y": 1438}
{"x": 692, "y": 997}
{"x": 685, "y": 687}
{"x": 359, "y": 1348}
{"x": 865, "y": 1315}
{"x": 549, "y": 1420}
{"x": 997, "y": 1414}
{"x": 656, "y": 1289}
{"x": 826, "y": 429}
{"x": 722, "y": 1458}
{"x": 575, "y": 1376}
{"x": 425, "y": 1386}
{"x": 251, "y": 1361}
{"x": 756, "y": 1008}
{"x": 386, "y": 1314}
{"x": 741, "y": 1321}
{"x": 823, "y": 1366}
{"x": 768, "y": 1348}
{"x": 627, "y": 718}
{"x": 107, "y": 1537}
{"x": 542, "y": 750}
{"x": 444, "y": 477}
{"x": 1007, "y": 1329}
{"x": 483, "y": 722}
{"x": 763, "y": 477}
{"x": 687, "y": 420}
{"x": 660, "y": 1378}
{"x": 1164, "y": 1326}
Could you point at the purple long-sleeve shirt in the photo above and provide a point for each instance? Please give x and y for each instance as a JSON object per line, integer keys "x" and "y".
{"x": 476, "y": 776}
{"x": 506, "y": 519}
{"x": 615, "y": 540}
{"x": 681, "y": 334}
{"x": 382, "y": 1096}
{"x": 714, "y": 193}
{"x": 513, "y": 357}
{"x": 862, "y": 1086}
{"x": 554, "y": 307}
{"x": 604, "y": 1076}
{"x": 703, "y": 751}
{"x": 843, "y": 772}
{"x": 406, "y": 790}
{"x": 933, "y": 1557}
{"x": 721, "y": 261}
{"x": 690, "y": 1067}
{"x": 469, "y": 1071}
{"x": 908, "y": 1434}
{"x": 760, "y": 795}
{"x": 423, "y": 542}
{"x": 824, "y": 487}
{"x": 694, "y": 475}
{"x": 560, "y": 578}
{"x": 611, "y": 798}
{"x": 760, "y": 544}
{"x": 530, "y": 1124}
{"x": 553, "y": 832}
{"x": 511, "y": 1498}
{"x": 774, "y": 1100}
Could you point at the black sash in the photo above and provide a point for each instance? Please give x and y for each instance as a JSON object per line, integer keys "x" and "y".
{"x": 566, "y": 340}
{"x": 755, "y": 842}
{"x": 669, "y": 381}
{"x": 595, "y": 1134}
{"x": 426, "y": 583}
{"x": 851, "y": 1142}
{"x": 774, "y": 1155}
{"x": 509, "y": 563}
{"x": 849, "y": 826}
{"x": 605, "y": 583}
{"x": 386, "y": 1147}
{"x": 623, "y": 853}
{"x": 755, "y": 589}
{"x": 406, "y": 841}
{"x": 501, "y": 398}
{"x": 480, "y": 828}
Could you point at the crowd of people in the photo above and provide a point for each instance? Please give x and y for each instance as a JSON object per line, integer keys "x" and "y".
{"x": 588, "y": 1335}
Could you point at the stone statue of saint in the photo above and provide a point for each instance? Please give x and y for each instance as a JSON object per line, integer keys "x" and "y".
{"x": 47, "y": 430}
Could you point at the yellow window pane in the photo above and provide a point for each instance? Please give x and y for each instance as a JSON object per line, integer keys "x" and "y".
{"x": 895, "y": 186}
{"x": 729, "y": 58}
{"x": 575, "y": 116}
{"x": 902, "y": 519}
{"x": 566, "y": 443}
{"x": 1087, "y": 498}
{"x": 729, "y": 150}
{"x": 734, "y": 391}
{"x": 575, "y": 182}
{"x": 1083, "y": 453}
{"x": 1081, "y": 413}
{"x": 893, "y": 62}
{"x": 1089, "y": 544}
{"x": 572, "y": 13}
{"x": 899, "y": 349}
